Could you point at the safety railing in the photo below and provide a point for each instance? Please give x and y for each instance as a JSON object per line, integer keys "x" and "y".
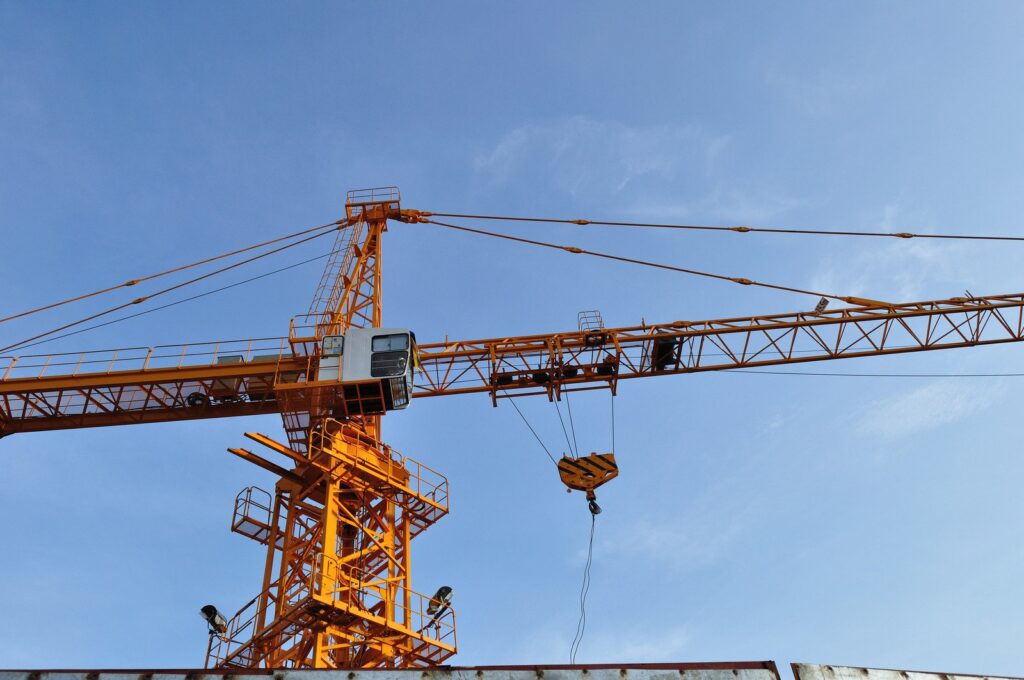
{"x": 252, "y": 514}
{"x": 589, "y": 320}
{"x": 382, "y": 461}
{"x": 142, "y": 358}
{"x": 374, "y": 195}
{"x": 231, "y": 646}
{"x": 386, "y": 602}
{"x": 427, "y": 484}
{"x": 307, "y": 329}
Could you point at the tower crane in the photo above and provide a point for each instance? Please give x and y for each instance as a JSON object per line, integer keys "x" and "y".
{"x": 337, "y": 585}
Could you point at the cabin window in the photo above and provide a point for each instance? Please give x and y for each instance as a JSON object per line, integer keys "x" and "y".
{"x": 389, "y": 355}
{"x": 388, "y": 343}
{"x": 389, "y": 364}
{"x": 333, "y": 346}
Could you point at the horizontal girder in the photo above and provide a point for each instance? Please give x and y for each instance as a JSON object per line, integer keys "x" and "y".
{"x": 511, "y": 366}
{"x": 580, "y": 359}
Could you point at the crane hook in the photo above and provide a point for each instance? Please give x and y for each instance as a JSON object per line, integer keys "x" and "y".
{"x": 587, "y": 473}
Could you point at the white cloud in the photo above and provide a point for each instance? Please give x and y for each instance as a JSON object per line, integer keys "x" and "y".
{"x": 896, "y": 270}
{"x": 705, "y": 532}
{"x": 730, "y": 205}
{"x": 584, "y": 157}
{"x": 927, "y": 407}
{"x": 655, "y": 172}
{"x": 821, "y": 93}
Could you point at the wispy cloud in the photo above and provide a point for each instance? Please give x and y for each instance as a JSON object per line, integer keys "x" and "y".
{"x": 582, "y": 156}
{"x": 898, "y": 270}
{"x": 704, "y": 533}
{"x": 645, "y": 172}
{"x": 729, "y": 205}
{"x": 926, "y": 407}
{"x": 821, "y": 92}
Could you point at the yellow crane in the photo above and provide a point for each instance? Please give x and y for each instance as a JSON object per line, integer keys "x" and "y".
{"x": 337, "y": 584}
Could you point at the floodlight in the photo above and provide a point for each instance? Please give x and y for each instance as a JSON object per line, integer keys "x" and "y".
{"x": 214, "y": 619}
{"x": 440, "y": 601}
{"x": 822, "y": 304}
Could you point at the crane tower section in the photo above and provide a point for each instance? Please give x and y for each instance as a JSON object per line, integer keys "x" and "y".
{"x": 337, "y": 589}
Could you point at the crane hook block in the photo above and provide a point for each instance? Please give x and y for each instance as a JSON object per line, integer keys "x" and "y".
{"x": 588, "y": 472}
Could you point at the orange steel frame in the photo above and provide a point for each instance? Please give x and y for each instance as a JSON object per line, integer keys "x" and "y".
{"x": 339, "y": 524}
{"x": 337, "y": 579}
{"x": 43, "y": 393}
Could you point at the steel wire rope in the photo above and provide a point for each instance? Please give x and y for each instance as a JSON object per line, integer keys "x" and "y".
{"x": 581, "y": 625}
{"x": 682, "y": 270}
{"x": 165, "y": 290}
{"x": 536, "y": 436}
{"x": 737, "y": 229}
{"x": 572, "y": 426}
{"x": 613, "y": 423}
{"x": 133, "y": 282}
{"x": 565, "y": 431}
{"x": 178, "y": 302}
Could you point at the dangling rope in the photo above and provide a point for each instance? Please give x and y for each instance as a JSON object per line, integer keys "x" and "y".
{"x": 581, "y": 626}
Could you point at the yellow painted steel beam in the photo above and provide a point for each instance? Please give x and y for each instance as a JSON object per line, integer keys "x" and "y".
{"x": 535, "y": 364}
{"x": 549, "y": 364}
{"x": 70, "y": 422}
{"x": 250, "y": 369}
{"x": 245, "y": 454}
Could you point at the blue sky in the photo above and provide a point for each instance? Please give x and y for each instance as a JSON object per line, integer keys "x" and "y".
{"x": 848, "y": 521}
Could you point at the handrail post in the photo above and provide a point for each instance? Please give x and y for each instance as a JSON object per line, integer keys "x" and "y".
{"x": 46, "y": 364}
{"x": 10, "y": 367}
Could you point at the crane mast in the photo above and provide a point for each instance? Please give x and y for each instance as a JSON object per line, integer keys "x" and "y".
{"x": 337, "y": 579}
{"x": 338, "y": 525}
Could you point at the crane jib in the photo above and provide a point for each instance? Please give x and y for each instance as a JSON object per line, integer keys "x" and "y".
{"x": 120, "y": 387}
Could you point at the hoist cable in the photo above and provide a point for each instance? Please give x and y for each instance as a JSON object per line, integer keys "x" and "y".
{"x": 737, "y": 229}
{"x": 565, "y": 431}
{"x": 580, "y": 251}
{"x": 150, "y": 277}
{"x": 164, "y": 290}
{"x": 535, "y": 435}
{"x": 568, "y": 405}
{"x": 581, "y": 625}
{"x": 176, "y": 302}
{"x": 613, "y": 423}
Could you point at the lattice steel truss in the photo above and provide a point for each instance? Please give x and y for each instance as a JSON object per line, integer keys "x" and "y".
{"x": 337, "y": 589}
